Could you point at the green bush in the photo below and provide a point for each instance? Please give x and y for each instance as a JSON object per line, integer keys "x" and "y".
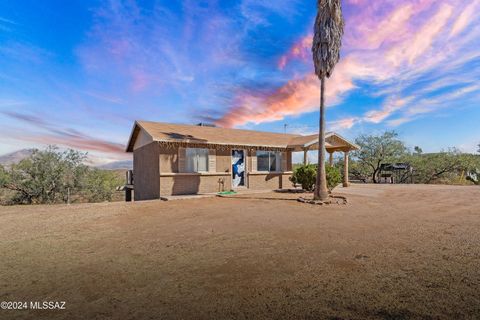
{"x": 54, "y": 176}
{"x": 446, "y": 167}
{"x": 334, "y": 178}
{"x": 47, "y": 176}
{"x": 306, "y": 176}
{"x": 99, "y": 185}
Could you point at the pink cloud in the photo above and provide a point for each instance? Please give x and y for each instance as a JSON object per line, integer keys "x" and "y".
{"x": 392, "y": 105}
{"x": 394, "y": 26}
{"x": 300, "y": 50}
{"x": 296, "y": 96}
{"x": 464, "y": 19}
{"x": 51, "y": 133}
{"x": 84, "y": 143}
{"x": 345, "y": 123}
{"x": 375, "y": 23}
{"x": 293, "y": 97}
{"x": 411, "y": 49}
{"x": 399, "y": 121}
{"x": 388, "y": 43}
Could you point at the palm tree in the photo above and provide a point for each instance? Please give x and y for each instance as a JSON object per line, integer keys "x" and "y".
{"x": 327, "y": 40}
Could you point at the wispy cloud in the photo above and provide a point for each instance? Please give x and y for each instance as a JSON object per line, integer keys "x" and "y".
{"x": 9, "y": 103}
{"x": 104, "y": 97}
{"x": 399, "y": 48}
{"x": 160, "y": 49}
{"x": 7, "y": 21}
{"x": 7, "y": 24}
{"x": 51, "y": 133}
{"x": 465, "y": 18}
{"x": 297, "y": 96}
{"x": 257, "y": 11}
{"x": 31, "y": 119}
{"x": 23, "y": 52}
{"x": 300, "y": 50}
{"x": 392, "y": 105}
{"x": 345, "y": 123}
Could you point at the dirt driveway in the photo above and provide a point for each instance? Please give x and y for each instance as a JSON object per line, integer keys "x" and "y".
{"x": 394, "y": 252}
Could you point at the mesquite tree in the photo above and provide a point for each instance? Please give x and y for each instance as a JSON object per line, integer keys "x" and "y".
{"x": 327, "y": 40}
{"x": 376, "y": 150}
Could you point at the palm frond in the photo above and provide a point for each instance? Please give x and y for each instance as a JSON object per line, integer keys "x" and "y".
{"x": 327, "y": 39}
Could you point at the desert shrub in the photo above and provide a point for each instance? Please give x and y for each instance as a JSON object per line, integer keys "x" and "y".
{"x": 306, "y": 175}
{"x": 99, "y": 185}
{"x": 357, "y": 170}
{"x": 47, "y": 176}
{"x": 3, "y": 175}
{"x": 54, "y": 176}
{"x": 334, "y": 178}
{"x": 446, "y": 167}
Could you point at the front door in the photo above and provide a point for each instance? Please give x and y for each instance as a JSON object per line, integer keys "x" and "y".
{"x": 238, "y": 168}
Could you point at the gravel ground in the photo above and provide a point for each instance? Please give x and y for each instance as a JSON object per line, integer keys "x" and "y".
{"x": 394, "y": 252}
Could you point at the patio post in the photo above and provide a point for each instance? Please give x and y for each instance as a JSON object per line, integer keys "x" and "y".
{"x": 345, "y": 169}
{"x": 330, "y": 159}
{"x": 305, "y": 157}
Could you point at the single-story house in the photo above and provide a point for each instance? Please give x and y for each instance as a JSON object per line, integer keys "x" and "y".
{"x": 174, "y": 159}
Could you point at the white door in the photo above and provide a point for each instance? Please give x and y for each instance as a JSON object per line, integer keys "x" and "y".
{"x": 238, "y": 168}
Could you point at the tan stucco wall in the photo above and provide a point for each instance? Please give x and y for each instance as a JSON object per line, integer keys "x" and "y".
{"x": 269, "y": 181}
{"x": 146, "y": 172}
{"x": 173, "y": 182}
{"x": 156, "y": 174}
{"x": 224, "y": 160}
{"x": 168, "y": 159}
{"x": 178, "y": 184}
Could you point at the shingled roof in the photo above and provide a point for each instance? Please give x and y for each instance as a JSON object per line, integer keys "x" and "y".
{"x": 180, "y": 133}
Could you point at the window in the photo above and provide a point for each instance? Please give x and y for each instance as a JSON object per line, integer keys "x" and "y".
{"x": 268, "y": 161}
{"x": 197, "y": 160}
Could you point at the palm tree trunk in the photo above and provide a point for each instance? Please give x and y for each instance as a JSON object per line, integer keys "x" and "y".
{"x": 321, "y": 192}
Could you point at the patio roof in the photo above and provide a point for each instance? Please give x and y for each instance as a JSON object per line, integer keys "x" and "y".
{"x": 333, "y": 142}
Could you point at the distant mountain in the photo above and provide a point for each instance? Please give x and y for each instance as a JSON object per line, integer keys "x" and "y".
{"x": 14, "y": 157}
{"x": 117, "y": 165}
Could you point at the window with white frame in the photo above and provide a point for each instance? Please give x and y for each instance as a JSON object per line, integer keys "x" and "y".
{"x": 196, "y": 160}
{"x": 269, "y": 161}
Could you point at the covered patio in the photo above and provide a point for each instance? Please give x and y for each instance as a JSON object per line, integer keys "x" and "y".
{"x": 333, "y": 143}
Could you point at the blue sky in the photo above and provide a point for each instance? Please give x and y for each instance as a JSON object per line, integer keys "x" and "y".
{"x": 78, "y": 73}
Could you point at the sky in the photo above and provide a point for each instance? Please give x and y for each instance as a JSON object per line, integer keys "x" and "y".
{"x": 78, "y": 73}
